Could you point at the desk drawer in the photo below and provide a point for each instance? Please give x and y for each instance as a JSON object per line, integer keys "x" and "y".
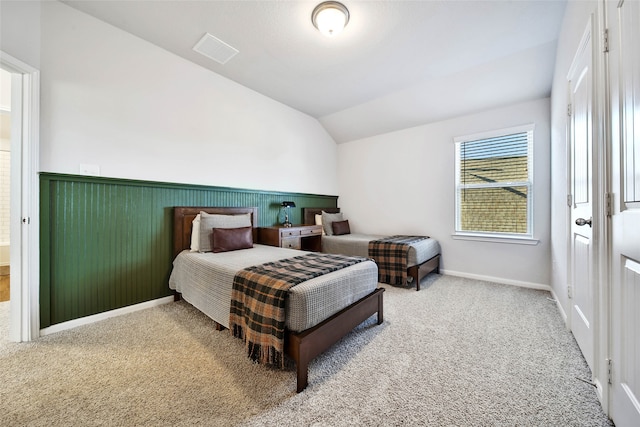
{"x": 289, "y": 233}
{"x": 291, "y": 242}
{"x": 310, "y": 231}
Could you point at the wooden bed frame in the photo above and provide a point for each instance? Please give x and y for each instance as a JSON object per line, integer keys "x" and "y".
{"x": 418, "y": 272}
{"x": 303, "y": 346}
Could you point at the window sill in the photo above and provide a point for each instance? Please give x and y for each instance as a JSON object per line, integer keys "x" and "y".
{"x": 496, "y": 239}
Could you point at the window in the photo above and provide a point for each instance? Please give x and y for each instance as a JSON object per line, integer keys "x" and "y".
{"x": 494, "y": 178}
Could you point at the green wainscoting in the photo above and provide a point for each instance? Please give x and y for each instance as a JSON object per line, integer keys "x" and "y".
{"x": 106, "y": 243}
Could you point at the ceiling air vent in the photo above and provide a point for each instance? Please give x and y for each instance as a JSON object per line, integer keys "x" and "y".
{"x": 215, "y": 49}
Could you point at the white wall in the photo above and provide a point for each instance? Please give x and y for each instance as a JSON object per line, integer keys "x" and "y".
{"x": 403, "y": 182}
{"x": 573, "y": 28}
{"x": 20, "y": 30}
{"x": 137, "y": 111}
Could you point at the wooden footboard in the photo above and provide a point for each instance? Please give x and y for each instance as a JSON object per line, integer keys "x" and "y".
{"x": 304, "y": 346}
{"x": 418, "y": 272}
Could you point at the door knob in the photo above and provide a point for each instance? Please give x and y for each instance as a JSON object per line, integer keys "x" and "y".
{"x": 582, "y": 221}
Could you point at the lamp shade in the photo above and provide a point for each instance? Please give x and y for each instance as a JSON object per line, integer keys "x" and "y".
{"x": 330, "y": 17}
{"x": 288, "y": 204}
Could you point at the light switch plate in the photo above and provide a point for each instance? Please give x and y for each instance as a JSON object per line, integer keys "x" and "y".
{"x": 86, "y": 169}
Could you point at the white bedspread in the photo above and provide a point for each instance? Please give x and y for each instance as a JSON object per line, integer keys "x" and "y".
{"x": 205, "y": 280}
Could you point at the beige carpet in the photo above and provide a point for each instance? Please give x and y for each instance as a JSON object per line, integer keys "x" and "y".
{"x": 459, "y": 352}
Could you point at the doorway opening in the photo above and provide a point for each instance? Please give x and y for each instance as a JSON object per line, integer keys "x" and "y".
{"x": 5, "y": 198}
{"x": 20, "y": 109}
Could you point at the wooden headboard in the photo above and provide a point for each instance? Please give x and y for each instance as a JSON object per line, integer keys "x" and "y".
{"x": 309, "y": 214}
{"x": 183, "y": 217}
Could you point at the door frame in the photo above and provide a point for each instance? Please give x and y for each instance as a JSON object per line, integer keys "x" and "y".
{"x": 24, "y": 319}
{"x": 601, "y": 219}
{"x": 602, "y": 214}
{"x": 602, "y": 196}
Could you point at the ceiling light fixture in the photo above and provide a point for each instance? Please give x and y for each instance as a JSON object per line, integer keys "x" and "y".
{"x": 330, "y": 17}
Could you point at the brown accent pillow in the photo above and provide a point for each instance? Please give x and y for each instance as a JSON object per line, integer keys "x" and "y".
{"x": 231, "y": 239}
{"x": 340, "y": 227}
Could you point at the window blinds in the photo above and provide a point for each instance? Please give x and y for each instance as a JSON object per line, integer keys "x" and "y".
{"x": 494, "y": 184}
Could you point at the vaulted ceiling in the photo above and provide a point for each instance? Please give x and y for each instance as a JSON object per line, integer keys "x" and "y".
{"x": 396, "y": 65}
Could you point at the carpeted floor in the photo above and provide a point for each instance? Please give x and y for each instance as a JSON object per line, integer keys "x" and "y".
{"x": 459, "y": 352}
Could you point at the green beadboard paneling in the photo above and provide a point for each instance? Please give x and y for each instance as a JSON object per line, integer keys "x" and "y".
{"x": 106, "y": 243}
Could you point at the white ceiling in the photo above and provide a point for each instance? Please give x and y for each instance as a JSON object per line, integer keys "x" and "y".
{"x": 397, "y": 64}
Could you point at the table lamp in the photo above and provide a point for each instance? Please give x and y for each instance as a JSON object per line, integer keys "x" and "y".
{"x": 286, "y": 206}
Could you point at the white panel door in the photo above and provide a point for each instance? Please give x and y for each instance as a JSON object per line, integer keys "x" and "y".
{"x": 624, "y": 69}
{"x": 581, "y": 176}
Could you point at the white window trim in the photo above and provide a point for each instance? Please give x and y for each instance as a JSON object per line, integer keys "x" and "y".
{"x": 495, "y": 238}
{"x": 519, "y": 238}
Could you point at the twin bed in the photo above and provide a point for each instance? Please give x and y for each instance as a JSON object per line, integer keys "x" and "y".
{"x": 319, "y": 311}
{"x": 423, "y": 256}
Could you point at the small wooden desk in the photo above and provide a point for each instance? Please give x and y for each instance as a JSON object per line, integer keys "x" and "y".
{"x": 305, "y": 237}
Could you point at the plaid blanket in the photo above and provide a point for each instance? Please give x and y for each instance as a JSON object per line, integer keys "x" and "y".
{"x": 391, "y": 254}
{"x": 257, "y": 313}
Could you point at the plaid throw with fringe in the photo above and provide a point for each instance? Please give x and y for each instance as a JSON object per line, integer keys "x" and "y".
{"x": 257, "y": 313}
{"x": 391, "y": 255}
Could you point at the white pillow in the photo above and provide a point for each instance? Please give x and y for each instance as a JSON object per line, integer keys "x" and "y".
{"x": 210, "y": 221}
{"x": 319, "y": 221}
{"x": 195, "y": 234}
{"x": 327, "y": 220}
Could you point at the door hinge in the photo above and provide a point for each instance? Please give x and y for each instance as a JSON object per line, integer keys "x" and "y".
{"x": 569, "y": 200}
{"x": 26, "y": 220}
{"x": 605, "y": 40}
{"x": 569, "y": 110}
{"x": 569, "y": 291}
{"x": 609, "y": 368}
{"x": 608, "y": 204}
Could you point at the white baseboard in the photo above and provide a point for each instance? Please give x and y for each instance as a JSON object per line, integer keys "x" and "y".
{"x": 102, "y": 316}
{"x": 563, "y": 313}
{"x": 501, "y": 280}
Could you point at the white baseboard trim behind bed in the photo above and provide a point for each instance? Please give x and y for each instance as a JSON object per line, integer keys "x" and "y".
{"x": 59, "y": 327}
{"x": 497, "y": 280}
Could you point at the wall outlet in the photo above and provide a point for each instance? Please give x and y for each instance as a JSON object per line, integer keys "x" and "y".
{"x": 86, "y": 169}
